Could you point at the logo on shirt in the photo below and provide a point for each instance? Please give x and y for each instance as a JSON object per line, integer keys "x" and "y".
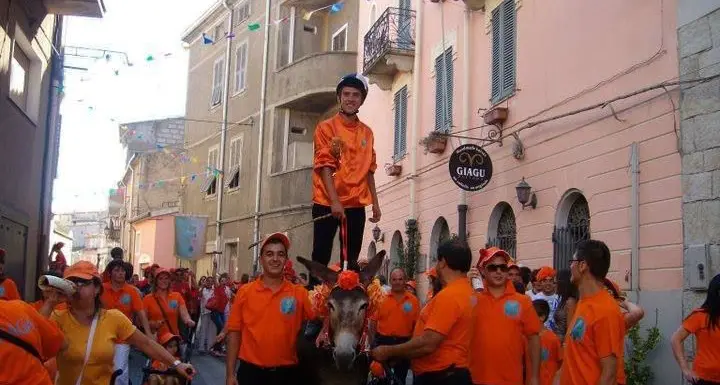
{"x": 363, "y": 143}
{"x": 173, "y": 304}
{"x": 2, "y": 291}
{"x": 512, "y": 308}
{"x": 407, "y": 307}
{"x": 287, "y": 305}
{"x": 578, "y": 330}
{"x": 544, "y": 355}
{"x": 125, "y": 299}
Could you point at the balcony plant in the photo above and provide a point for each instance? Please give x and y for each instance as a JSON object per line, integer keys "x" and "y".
{"x": 393, "y": 169}
{"x": 434, "y": 143}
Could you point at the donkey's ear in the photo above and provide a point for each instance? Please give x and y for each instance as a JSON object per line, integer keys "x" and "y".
{"x": 319, "y": 271}
{"x": 373, "y": 266}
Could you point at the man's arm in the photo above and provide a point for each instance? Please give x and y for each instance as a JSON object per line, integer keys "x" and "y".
{"x": 419, "y": 346}
{"x": 534, "y": 350}
{"x": 329, "y": 183}
{"x": 233, "y": 347}
{"x": 144, "y": 322}
{"x": 608, "y": 370}
{"x": 375, "y": 202}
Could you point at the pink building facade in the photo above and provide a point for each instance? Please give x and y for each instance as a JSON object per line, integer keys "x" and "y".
{"x": 611, "y": 173}
{"x": 154, "y": 242}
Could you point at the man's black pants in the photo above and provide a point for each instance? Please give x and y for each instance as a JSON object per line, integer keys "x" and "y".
{"x": 324, "y": 234}
{"x": 449, "y": 376}
{"x": 399, "y": 367}
{"x": 255, "y": 375}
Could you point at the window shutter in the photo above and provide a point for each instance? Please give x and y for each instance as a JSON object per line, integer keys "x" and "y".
{"x": 496, "y": 92}
{"x": 508, "y": 56}
{"x": 438, "y": 93}
{"x": 403, "y": 121}
{"x": 396, "y": 143}
{"x": 449, "y": 86}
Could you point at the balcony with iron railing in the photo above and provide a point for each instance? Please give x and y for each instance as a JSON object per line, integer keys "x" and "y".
{"x": 389, "y": 46}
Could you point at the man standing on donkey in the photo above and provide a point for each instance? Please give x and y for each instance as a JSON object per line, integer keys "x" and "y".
{"x": 343, "y": 176}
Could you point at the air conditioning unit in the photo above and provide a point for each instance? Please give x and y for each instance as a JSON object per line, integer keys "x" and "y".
{"x": 475, "y": 5}
{"x": 300, "y": 154}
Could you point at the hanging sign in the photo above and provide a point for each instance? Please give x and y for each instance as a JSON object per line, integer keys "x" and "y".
{"x": 470, "y": 167}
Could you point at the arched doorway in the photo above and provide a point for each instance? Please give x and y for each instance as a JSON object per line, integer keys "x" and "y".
{"x": 440, "y": 232}
{"x": 502, "y": 231}
{"x": 572, "y": 225}
{"x": 397, "y": 246}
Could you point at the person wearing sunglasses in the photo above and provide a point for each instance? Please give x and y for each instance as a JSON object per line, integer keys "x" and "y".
{"x": 506, "y": 324}
{"x": 91, "y": 332}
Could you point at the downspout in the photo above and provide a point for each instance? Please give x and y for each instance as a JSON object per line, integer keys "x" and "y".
{"x": 261, "y": 135}
{"x": 462, "y": 205}
{"x": 220, "y": 182}
{"x": 415, "y": 124}
{"x": 635, "y": 220}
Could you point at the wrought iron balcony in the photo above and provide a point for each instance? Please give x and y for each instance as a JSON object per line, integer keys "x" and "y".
{"x": 389, "y": 46}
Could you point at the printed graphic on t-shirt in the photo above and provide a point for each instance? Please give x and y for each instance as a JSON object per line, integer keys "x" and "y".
{"x": 287, "y": 305}
{"x": 512, "y": 309}
{"x": 407, "y": 307}
{"x": 125, "y": 299}
{"x": 173, "y": 304}
{"x": 578, "y": 330}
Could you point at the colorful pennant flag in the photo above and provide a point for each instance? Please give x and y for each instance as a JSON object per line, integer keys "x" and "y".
{"x": 253, "y": 26}
{"x": 337, "y": 7}
{"x": 207, "y": 40}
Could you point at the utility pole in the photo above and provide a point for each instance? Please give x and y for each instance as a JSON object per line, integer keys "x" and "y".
{"x": 220, "y": 181}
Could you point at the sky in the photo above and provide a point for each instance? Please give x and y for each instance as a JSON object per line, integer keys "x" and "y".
{"x": 110, "y": 92}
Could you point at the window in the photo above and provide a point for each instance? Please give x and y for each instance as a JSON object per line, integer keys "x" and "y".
{"x": 503, "y": 51}
{"x": 241, "y": 53}
{"x": 502, "y": 231}
{"x": 242, "y": 12}
{"x": 209, "y": 187}
{"x": 292, "y": 143}
{"x": 20, "y": 78}
{"x": 218, "y": 80}
{"x": 572, "y": 226}
{"x": 233, "y": 177}
{"x": 444, "y": 91}
{"x": 339, "y": 39}
{"x": 400, "y": 123}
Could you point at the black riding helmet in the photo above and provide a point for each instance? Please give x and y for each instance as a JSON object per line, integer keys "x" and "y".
{"x": 353, "y": 80}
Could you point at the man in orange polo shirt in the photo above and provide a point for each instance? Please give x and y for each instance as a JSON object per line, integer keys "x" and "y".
{"x": 594, "y": 340}
{"x": 264, "y": 322}
{"x": 440, "y": 346}
{"x": 505, "y": 322}
{"x": 394, "y": 321}
{"x": 120, "y": 295}
{"x": 343, "y": 174}
{"x": 8, "y": 289}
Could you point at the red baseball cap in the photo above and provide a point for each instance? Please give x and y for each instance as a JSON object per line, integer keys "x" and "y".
{"x": 282, "y": 237}
{"x": 486, "y": 255}
{"x": 545, "y": 272}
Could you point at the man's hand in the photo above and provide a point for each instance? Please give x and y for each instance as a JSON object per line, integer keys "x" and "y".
{"x": 381, "y": 353}
{"x": 473, "y": 273}
{"x": 337, "y": 210}
{"x": 190, "y": 323}
{"x": 185, "y": 370}
{"x": 54, "y": 297}
{"x": 376, "y": 214}
{"x": 690, "y": 375}
{"x": 156, "y": 325}
{"x": 231, "y": 380}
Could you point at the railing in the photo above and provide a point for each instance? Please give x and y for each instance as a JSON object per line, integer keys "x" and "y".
{"x": 394, "y": 30}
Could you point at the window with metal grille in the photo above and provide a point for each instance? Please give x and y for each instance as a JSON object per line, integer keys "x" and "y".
{"x": 443, "y": 91}
{"x": 242, "y": 12}
{"x": 339, "y": 39}
{"x": 577, "y": 228}
{"x": 506, "y": 233}
{"x": 400, "y": 123}
{"x": 241, "y": 60}
{"x": 504, "y": 28}
{"x": 218, "y": 79}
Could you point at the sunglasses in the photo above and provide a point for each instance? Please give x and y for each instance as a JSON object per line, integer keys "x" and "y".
{"x": 493, "y": 268}
{"x": 79, "y": 282}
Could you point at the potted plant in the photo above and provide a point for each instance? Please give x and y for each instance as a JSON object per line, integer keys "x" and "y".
{"x": 393, "y": 169}
{"x": 434, "y": 143}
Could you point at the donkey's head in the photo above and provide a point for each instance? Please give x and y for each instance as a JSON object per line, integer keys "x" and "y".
{"x": 347, "y": 309}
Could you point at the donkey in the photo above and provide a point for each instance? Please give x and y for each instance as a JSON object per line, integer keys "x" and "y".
{"x": 343, "y": 362}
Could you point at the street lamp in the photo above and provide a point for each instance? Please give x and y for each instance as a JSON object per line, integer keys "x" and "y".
{"x": 377, "y": 234}
{"x": 525, "y": 195}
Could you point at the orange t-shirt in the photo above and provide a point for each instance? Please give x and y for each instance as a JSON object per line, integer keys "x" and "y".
{"x": 449, "y": 313}
{"x": 595, "y": 332}
{"x": 707, "y": 358}
{"x": 269, "y": 322}
{"x": 357, "y": 159}
{"x": 501, "y": 328}
{"x": 171, "y": 306}
{"x": 8, "y": 290}
{"x": 127, "y": 299}
{"x": 550, "y": 357}
{"x": 396, "y": 318}
{"x": 21, "y": 320}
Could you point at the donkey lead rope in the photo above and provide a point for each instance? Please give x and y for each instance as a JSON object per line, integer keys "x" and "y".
{"x": 344, "y": 241}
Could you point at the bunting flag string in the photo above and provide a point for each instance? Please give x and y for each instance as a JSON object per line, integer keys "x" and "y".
{"x": 334, "y": 8}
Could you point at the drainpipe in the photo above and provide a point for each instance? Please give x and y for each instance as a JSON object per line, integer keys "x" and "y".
{"x": 462, "y": 206}
{"x": 220, "y": 182}
{"x": 261, "y": 135}
{"x": 635, "y": 219}
{"x": 415, "y": 124}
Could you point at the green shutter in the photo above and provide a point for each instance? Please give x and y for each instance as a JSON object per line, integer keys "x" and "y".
{"x": 396, "y": 143}
{"x": 403, "y": 121}
{"x": 504, "y": 25}
{"x": 439, "y": 114}
{"x": 449, "y": 71}
{"x": 495, "y": 91}
{"x": 443, "y": 89}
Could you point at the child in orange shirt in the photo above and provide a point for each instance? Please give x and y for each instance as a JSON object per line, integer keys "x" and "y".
{"x": 550, "y": 347}
{"x": 171, "y": 343}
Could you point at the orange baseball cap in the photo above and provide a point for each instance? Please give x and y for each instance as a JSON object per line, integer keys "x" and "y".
{"x": 545, "y": 272}
{"x": 282, "y": 237}
{"x": 161, "y": 270}
{"x": 486, "y": 255}
{"x": 83, "y": 270}
{"x": 166, "y": 337}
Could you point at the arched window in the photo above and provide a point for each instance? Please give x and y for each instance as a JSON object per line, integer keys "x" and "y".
{"x": 397, "y": 247}
{"x": 502, "y": 231}
{"x": 572, "y": 225}
{"x": 440, "y": 232}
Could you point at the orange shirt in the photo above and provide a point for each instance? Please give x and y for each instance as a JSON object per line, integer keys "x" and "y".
{"x": 357, "y": 159}
{"x": 550, "y": 357}
{"x": 501, "y": 328}
{"x": 171, "y": 307}
{"x": 126, "y": 299}
{"x": 595, "y": 332}
{"x": 21, "y": 320}
{"x": 449, "y": 313}
{"x": 396, "y": 318}
{"x": 8, "y": 290}
{"x": 269, "y": 322}
{"x": 707, "y": 358}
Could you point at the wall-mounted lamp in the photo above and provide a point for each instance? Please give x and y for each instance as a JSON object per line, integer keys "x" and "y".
{"x": 377, "y": 234}
{"x": 524, "y": 194}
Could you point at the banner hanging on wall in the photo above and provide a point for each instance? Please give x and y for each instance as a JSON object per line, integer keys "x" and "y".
{"x": 190, "y": 236}
{"x": 470, "y": 167}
